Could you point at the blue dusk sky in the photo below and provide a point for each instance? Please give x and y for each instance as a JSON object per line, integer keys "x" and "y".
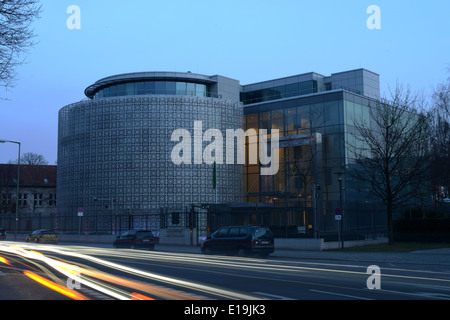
{"x": 247, "y": 40}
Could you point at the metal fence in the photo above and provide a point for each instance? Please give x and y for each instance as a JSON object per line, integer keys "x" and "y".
{"x": 92, "y": 224}
{"x": 105, "y": 224}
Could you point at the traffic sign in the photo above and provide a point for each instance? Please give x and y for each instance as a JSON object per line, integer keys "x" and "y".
{"x": 80, "y": 211}
{"x": 338, "y": 214}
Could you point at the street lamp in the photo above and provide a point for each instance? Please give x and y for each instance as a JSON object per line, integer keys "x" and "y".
{"x": 341, "y": 222}
{"x": 316, "y": 189}
{"x": 17, "y": 189}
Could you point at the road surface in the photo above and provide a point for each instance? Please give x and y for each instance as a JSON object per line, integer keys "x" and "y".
{"x": 60, "y": 272}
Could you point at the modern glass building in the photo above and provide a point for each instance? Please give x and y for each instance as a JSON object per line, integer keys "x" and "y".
{"x": 114, "y": 151}
{"x": 315, "y": 116}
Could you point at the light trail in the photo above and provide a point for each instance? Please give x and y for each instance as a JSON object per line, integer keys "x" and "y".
{"x": 56, "y": 287}
{"x": 158, "y": 286}
{"x": 111, "y": 284}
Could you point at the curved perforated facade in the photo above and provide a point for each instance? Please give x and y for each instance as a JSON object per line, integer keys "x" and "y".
{"x": 114, "y": 156}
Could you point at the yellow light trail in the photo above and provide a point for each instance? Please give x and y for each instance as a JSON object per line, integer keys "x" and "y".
{"x": 54, "y": 286}
{"x": 82, "y": 276}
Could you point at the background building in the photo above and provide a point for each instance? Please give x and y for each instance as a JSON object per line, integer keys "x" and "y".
{"x": 37, "y": 196}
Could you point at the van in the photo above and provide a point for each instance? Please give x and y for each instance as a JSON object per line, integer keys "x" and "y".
{"x": 243, "y": 240}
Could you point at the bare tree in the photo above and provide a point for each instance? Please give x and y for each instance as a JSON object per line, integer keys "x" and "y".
{"x": 16, "y": 35}
{"x": 439, "y": 122}
{"x": 391, "y": 151}
{"x": 305, "y": 157}
{"x": 31, "y": 158}
{"x": 441, "y": 99}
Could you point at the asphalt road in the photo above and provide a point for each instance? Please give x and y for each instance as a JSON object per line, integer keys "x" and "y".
{"x": 48, "y": 272}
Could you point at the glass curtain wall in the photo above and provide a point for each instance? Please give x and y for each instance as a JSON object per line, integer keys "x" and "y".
{"x": 301, "y": 164}
{"x": 153, "y": 87}
{"x": 326, "y": 163}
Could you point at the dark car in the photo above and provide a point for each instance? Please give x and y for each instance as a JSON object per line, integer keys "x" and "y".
{"x": 242, "y": 240}
{"x": 136, "y": 239}
{"x": 2, "y": 234}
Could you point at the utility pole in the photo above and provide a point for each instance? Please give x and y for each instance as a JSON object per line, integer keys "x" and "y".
{"x": 316, "y": 188}
{"x": 341, "y": 233}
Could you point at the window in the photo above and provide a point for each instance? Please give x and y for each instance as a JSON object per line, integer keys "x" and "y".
{"x": 291, "y": 90}
{"x": 160, "y": 87}
{"x": 140, "y": 88}
{"x": 154, "y": 87}
{"x": 221, "y": 233}
{"x": 38, "y": 199}
{"x": 23, "y": 199}
{"x": 190, "y": 89}
{"x": 201, "y": 90}
{"x": 149, "y": 87}
{"x": 171, "y": 87}
{"x": 181, "y": 88}
{"x": 52, "y": 199}
{"x": 112, "y": 91}
{"x": 130, "y": 89}
{"x": 234, "y": 232}
{"x": 262, "y": 233}
{"x": 278, "y": 121}
{"x": 120, "y": 90}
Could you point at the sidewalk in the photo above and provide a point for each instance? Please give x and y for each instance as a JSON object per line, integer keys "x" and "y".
{"x": 425, "y": 257}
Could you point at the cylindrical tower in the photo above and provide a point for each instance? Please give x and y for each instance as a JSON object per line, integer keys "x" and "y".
{"x": 114, "y": 148}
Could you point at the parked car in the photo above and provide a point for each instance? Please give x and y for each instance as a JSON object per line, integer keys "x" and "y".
{"x": 2, "y": 234}
{"x": 136, "y": 239}
{"x": 242, "y": 240}
{"x": 43, "y": 236}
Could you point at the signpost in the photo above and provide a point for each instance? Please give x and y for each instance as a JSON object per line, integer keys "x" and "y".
{"x": 338, "y": 217}
{"x": 80, "y": 215}
{"x": 337, "y": 214}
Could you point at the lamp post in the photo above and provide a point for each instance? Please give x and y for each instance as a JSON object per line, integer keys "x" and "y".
{"x": 316, "y": 188}
{"x": 341, "y": 222}
{"x": 17, "y": 188}
{"x": 342, "y": 210}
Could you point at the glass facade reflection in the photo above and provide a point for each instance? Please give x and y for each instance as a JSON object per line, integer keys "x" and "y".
{"x": 279, "y": 92}
{"x": 153, "y": 87}
{"x": 314, "y": 134}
